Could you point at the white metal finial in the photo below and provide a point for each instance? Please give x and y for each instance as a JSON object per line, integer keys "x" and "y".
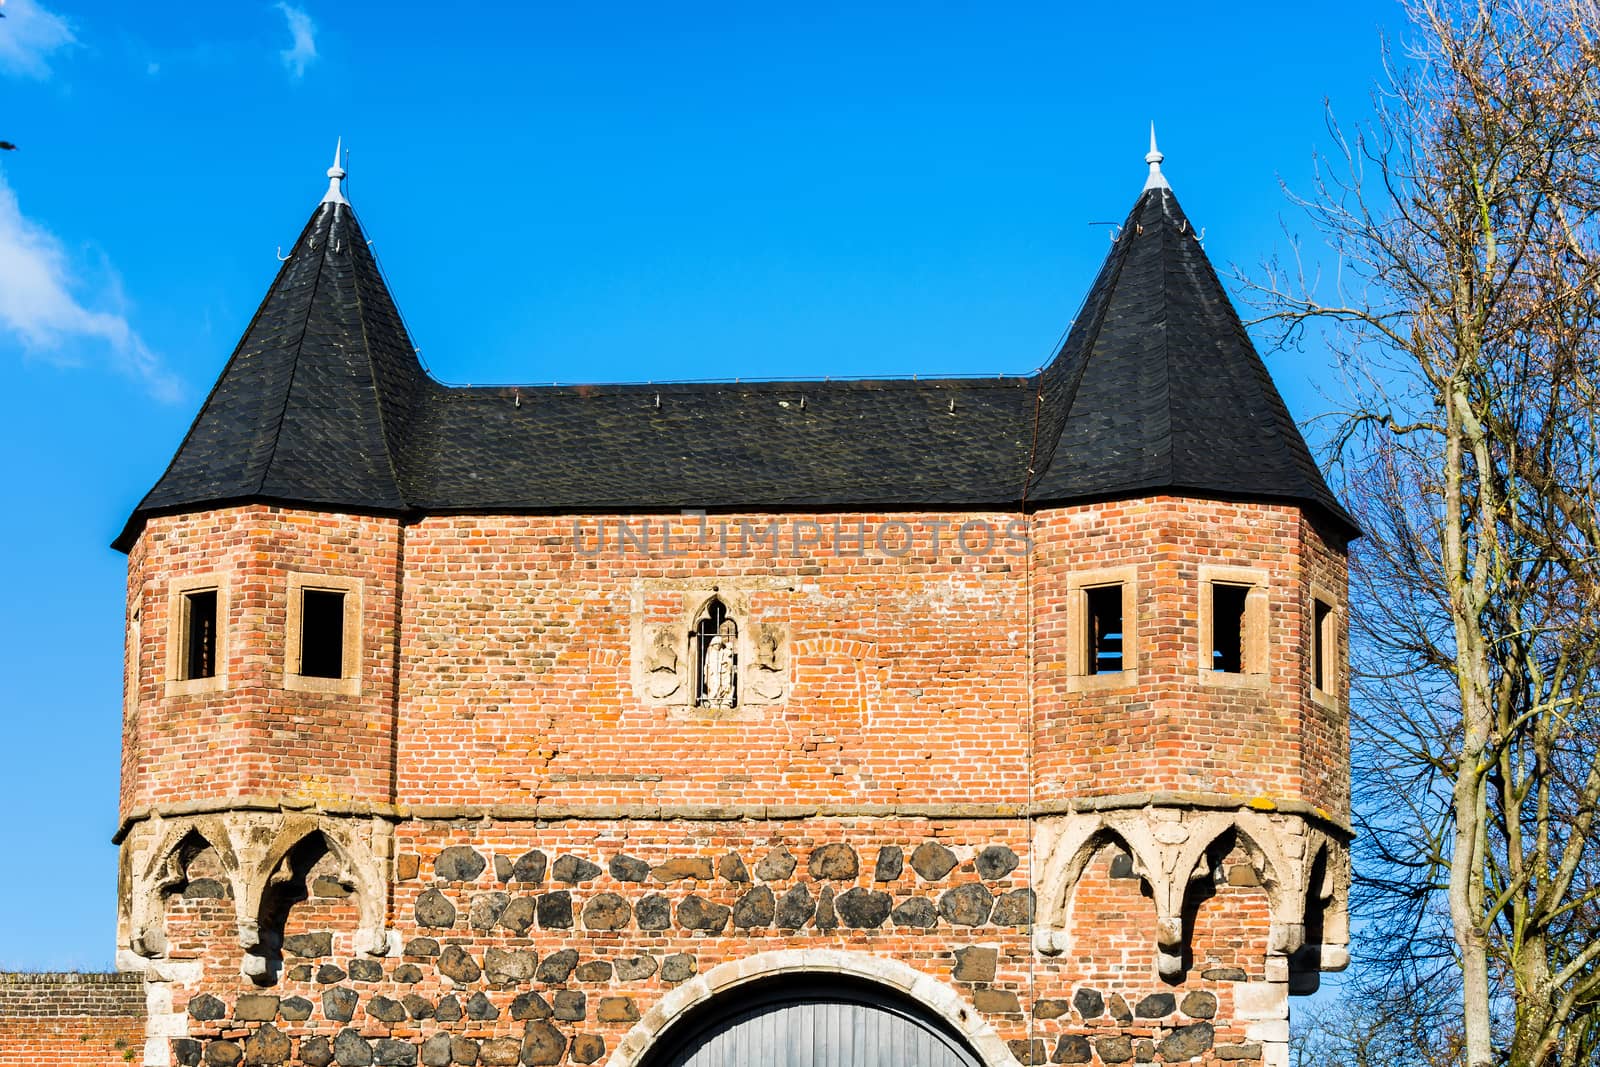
{"x": 1157, "y": 180}
{"x": 335, "y": 176}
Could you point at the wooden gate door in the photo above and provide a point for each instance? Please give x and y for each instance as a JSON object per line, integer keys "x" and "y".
{"x": 812, "y": 1023}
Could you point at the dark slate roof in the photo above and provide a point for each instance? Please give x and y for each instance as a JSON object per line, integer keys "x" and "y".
{"x": 316, "y": 402}
{"x": 1157, "y": 388}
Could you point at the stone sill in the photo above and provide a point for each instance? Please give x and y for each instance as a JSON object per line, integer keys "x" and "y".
{"x": 561, "y": 811}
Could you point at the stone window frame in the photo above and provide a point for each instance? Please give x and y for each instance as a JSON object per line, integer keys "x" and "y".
{"x": 695, "y": 653}
{"x": 178, "y": 591}
{"x": 1328, "y": 637}
{"x": 133, "y": 652}
{"x": 1255, "y": 644}
{"x": 1078, "y": 584}
{"x": 349, "y": 682}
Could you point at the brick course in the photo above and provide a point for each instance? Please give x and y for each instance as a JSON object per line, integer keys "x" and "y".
{"x": 71, "y": 1019}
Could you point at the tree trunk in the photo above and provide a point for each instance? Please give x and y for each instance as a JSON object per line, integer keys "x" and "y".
{"x": 1466, "y": 889}
{"x": 1534, "y": 1043}
{"x": 1465, "y": 582}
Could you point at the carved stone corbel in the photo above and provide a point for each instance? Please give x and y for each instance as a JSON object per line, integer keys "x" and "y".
{"x": 1169, "y": 847}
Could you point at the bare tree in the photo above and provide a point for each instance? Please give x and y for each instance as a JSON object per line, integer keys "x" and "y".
{"x": 1381, "y": 1030}
{"x": 1466, "y": 315}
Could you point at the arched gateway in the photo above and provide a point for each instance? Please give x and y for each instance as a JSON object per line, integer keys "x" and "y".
{"x": 811, "y": 1021}
{"x": 812, "y": 1008}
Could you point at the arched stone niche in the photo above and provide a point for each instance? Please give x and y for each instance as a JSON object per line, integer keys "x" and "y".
{"x": 258, "y": 853}
{"x": 1302, "y": 864}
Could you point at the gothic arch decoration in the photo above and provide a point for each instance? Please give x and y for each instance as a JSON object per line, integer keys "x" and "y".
{"x": 252, "y": 848}
{"x": 714, "y": 656}
{"x": 934, "y": 997}
{"x": 287, "y": 860}
{"x": 1169, "y": 847}
{"x": 1326, "y": 943}
{"x": 167, "y": 869}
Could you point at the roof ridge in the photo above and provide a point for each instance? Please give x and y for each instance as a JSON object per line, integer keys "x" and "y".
{"x": 299, "y": 344}
{"x": 1116, "y": 261}
{"x": 389, "y": 447}
{"x": 754, "y": 385}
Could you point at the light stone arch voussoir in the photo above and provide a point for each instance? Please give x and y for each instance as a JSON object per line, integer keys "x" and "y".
{"x": 165, "y": 870}
{"x": 355, "y": 858}
{"x": 1078, "y": 839}
{"x": 939, "y": 998}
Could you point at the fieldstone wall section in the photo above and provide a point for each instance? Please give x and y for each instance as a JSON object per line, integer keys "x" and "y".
{"x": 71, "y": 1019}
{"x": 541, "y": 944}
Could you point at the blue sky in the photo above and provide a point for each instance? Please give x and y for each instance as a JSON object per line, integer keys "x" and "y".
{"x": 571, "y": 192}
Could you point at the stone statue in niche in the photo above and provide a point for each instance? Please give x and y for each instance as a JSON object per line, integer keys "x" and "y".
{"x": 719, "y": 668}
{"x": 705, "y": 651}
{"x": 661, "y": 667}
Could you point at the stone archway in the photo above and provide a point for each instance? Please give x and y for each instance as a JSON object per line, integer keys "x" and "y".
{"x": 795, "y": 988}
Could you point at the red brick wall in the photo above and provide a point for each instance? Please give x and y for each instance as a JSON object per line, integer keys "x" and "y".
{"x": 1325, "y": 730}
{"x": 497, "y": 675}
{"x": 516, "y": 673}
{"x": 71, "y": 1020}
{"x": 515, "y": 666}
{"x": 1170, "y": 732}
{"x": 254, "y": 737}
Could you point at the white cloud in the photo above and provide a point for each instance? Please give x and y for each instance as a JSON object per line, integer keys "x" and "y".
{"x": 304, "y": 33}
{"x": 37, "y": 303}
{"x": 28, "y": 36}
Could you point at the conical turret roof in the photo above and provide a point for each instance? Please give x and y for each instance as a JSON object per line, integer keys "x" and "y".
{"x": 1158, "y": 387}
{"x": 314, "y": 404}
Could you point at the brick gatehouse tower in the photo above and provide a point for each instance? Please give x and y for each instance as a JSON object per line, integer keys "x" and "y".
{"x": 947, "y": 721}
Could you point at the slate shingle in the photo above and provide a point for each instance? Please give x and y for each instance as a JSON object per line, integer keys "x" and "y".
{"x": 1157, "y": 388}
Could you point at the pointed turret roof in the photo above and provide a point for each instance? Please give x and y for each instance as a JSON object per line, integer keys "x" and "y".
{"x": 1157, "y": 389}
{"x": 313, "y": 406}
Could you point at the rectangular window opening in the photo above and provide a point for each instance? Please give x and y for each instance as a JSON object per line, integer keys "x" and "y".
{"x": 322, "y": 633}
{"x": 1228, "y": 627}
{"x": 1321, "y": 645}
{"x": 200, "y": 634}
{"x": 1104, "y": 629}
